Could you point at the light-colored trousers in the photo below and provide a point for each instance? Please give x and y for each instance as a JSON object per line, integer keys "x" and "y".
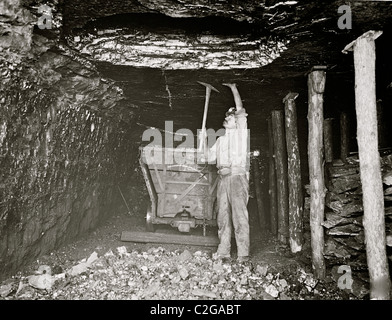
{"x": 232, "y": 200}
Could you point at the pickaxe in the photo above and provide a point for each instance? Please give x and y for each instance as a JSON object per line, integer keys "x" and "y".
{"x": 203, "y": 126}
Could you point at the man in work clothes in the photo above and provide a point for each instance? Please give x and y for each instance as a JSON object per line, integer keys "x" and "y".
{"x": 231, "y": 155}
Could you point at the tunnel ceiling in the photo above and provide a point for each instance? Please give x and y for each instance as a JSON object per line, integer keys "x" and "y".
{"x": 194, "y": 34}
{"x": 156, "y": 51}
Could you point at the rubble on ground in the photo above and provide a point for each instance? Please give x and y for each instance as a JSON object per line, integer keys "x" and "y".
{"x": 163, "y": 274}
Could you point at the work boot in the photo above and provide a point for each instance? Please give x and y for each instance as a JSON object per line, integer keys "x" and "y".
{"x": 224, "y": 258}
{"x": 243, "y": 259}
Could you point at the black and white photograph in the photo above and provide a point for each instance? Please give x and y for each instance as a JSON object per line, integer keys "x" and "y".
{"x": 195, "y": 158}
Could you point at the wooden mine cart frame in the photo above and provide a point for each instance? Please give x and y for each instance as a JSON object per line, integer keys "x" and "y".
{"x": 182, "y": 195}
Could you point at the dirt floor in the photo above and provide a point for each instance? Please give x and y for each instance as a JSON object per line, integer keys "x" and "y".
{"x": 101, "y": 266}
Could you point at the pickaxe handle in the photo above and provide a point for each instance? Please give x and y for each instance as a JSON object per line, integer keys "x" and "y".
{"x": 203, "y": 125}
{"x": 208, "y": 94}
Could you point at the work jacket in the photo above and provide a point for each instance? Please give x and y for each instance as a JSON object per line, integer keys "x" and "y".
{"x": 230, "y": 152}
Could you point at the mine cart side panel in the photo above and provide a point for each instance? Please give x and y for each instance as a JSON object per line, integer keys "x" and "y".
{"x": 195, "y": 191}
{"x": 175, "y": 187}
{"x": 177, "y": 182}
{"x": 150, "y": 187}
{"x": 197, "y": 206}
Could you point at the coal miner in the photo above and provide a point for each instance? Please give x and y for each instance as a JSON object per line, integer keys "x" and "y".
{"x": 230, "y": 153}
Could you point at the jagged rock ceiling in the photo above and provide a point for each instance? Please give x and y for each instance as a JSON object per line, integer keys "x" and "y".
{"x": 215, "y": 34}
{"x": 264, "y": 46}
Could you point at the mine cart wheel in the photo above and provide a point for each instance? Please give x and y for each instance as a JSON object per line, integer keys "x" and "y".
{"x": 149, "y": 225}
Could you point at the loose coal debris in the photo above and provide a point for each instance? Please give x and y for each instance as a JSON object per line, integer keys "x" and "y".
{"x": 163, "y": 274}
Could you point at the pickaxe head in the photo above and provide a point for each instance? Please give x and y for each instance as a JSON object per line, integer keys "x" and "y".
{"x": 208, "y": 86}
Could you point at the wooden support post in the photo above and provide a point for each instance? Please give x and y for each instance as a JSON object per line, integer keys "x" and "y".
{"x": 369, "y": 160}
{"x": 259, "y": 195}
{"x": 316, "y": 85}
{"x": 380, "y": 124}
{"x": 281, "y": 174}
{"x": 272, "y": 183}
{"x": 328, "y": 143}
{"x": 294, "y": 182}
{"x": 343, "y": 137}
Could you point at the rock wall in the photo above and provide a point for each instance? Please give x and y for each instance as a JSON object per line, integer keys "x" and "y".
{"x": 66, "y": 142}
{"x": 344, "y": 209}
{"x": 344, "y": 235}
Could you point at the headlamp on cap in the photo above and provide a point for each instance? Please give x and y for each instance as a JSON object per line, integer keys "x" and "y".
{"x": 231, "y": 111}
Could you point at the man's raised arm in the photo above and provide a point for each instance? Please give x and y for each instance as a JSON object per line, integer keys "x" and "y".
{"x": 236, "y": 94}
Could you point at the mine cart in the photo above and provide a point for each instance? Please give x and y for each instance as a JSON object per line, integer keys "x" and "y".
{"x": 182, "y": 191}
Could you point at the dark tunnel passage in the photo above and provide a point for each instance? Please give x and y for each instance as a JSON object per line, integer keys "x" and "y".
{"x": 76, "y": 98}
